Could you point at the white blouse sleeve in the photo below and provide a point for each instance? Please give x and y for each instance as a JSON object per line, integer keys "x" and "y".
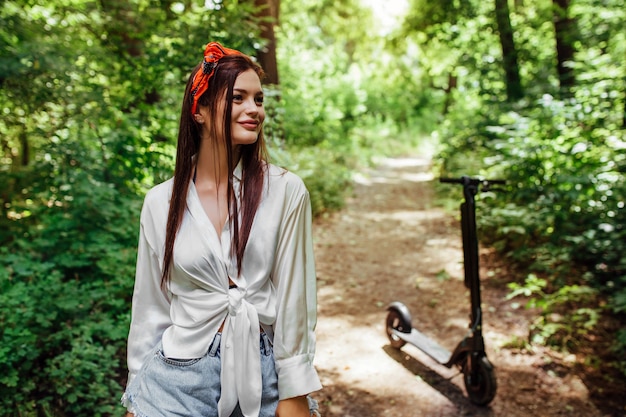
{"x": 150, "y": 308}
{"x": 295, "y": 280}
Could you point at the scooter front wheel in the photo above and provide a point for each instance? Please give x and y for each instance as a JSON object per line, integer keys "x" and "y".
{"x": 398, "y": 319}
{"x": 481, "y": 384}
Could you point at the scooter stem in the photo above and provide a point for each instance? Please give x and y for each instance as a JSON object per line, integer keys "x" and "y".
{"x": 470, "y": 253}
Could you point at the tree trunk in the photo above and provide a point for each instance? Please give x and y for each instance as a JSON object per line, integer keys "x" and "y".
{"x": 268, "y": 13}
{"x": 452, "y": 83}
{"x": 565, "y": 33}
{"x": 624, "y": 114}
{"x": 514, "y": 89}
{"x": 25, "y": 156}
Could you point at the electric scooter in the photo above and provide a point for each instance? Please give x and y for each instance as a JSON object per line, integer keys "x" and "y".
{"x": 470, "y": 356}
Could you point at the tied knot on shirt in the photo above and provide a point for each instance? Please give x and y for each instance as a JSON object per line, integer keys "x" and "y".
{"x": 236, "y": 296}
{"x": 242, "y": 355}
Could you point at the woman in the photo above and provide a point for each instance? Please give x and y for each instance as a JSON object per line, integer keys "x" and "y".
{"x": 224, "y": 305}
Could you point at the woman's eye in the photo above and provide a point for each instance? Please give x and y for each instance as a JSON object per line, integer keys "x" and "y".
{"x": 258, "y": 100}
{"x": 237, "y": 97}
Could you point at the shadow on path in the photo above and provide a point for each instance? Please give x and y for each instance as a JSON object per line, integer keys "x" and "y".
{"x": 431, "y": 377}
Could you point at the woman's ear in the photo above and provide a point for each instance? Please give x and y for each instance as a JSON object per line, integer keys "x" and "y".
{"x": 198, "y": 118}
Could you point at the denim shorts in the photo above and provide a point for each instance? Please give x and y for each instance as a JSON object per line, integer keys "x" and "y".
{"x": 167, "y": 387}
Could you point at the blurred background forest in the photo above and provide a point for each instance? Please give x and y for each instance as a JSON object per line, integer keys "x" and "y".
{"x": 532, "y": 91}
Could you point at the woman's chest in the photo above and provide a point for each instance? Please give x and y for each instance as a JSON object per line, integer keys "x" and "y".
{"x": 201, "y": 254}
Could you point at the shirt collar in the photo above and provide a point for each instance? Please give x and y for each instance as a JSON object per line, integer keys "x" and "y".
{"x": 238, "y": 171}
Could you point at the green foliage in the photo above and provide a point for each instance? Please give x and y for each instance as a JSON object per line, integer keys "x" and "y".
{"x": 425, "y": 14}
{"x": 325, "y": 171}
{"x": 61, "y": 343}
{"x": 562, "y": 215}
{"x": 619, "y": 350}
{"x": 65, "y": 293}
{"x": 325, "y": 174}
{"x": 339, "y": 77}
{"x": 62, "y": 272}
{"x": 567, "y": 314}
{"x": 342, "y": 96}
{"x": 318, "y": 82}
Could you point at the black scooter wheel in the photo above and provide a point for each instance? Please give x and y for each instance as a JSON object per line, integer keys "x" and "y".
{"x": 398, "y": 319}
{"x": 481, "y": 388}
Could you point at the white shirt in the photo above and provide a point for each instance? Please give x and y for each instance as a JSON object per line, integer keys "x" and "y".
{"x": 276, "y": 290}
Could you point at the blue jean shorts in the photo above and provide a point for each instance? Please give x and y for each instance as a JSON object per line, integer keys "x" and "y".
{"x": 167, "y": 387}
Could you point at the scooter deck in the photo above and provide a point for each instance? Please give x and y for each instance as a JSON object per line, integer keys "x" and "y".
{"x": 425, "y": 344}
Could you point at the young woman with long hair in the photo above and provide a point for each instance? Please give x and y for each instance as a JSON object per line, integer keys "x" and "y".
{"x": 224, "y": 304}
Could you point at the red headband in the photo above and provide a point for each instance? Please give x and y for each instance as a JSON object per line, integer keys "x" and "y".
{"x": 212, "y": 54}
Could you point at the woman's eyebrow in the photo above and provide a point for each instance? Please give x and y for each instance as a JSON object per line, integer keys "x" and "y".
{"x": 243, "y": 90}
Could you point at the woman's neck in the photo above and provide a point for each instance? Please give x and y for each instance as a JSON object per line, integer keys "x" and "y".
{"x": 211, "y": 176}
{"x": 211, "y": 164}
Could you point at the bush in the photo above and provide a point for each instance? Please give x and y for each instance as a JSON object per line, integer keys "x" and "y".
{"x": 562, "y": 216}
{"x": 66, "y": 284}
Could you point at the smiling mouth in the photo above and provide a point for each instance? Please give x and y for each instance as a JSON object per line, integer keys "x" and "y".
{"x": 249, "y": 124}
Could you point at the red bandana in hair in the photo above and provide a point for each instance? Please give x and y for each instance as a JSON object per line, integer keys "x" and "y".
{"x": 212, "y": 54}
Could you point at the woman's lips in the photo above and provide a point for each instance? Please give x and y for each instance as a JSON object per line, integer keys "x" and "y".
{"x": 249, "y": 124}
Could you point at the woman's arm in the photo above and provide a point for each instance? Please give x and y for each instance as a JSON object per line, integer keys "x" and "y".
{"x": 296, "y": 316}
{"x": 293, "y": 407}
{"x": 150, "y": 307}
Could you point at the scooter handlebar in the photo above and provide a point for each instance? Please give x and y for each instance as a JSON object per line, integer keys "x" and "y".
{"x": 465, "y": 180}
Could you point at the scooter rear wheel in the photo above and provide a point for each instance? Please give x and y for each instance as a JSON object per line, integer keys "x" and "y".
{"x": 481, "y": 389}
{"x": 398, "y": 319}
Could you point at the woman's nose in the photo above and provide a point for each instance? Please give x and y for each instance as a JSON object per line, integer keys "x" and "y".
{"x": 251, "y": 107}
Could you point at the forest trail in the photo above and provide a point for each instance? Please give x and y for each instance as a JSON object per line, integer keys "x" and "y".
{"x": 390, "y": 243}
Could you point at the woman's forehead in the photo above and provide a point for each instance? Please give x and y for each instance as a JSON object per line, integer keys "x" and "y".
{"x": 248, "y": 80}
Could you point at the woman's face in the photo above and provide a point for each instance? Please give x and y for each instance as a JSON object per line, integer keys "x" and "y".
{"x": 248, "y": 112}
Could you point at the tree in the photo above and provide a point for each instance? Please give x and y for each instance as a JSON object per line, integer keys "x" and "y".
{"x": 268, "y": 15}
{"x": 509, "y": 52}
{"x": 566, "y": 33}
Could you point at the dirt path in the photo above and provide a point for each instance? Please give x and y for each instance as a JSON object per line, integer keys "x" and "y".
{"x": 391, "y": 244}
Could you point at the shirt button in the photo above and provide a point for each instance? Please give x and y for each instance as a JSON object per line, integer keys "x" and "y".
{"x": 227, "y": 346}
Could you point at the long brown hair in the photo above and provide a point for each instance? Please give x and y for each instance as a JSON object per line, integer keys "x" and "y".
{"x": 253, "y": 158}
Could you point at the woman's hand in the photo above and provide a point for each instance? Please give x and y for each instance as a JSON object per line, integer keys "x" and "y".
{"x": 293, "y": 407}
